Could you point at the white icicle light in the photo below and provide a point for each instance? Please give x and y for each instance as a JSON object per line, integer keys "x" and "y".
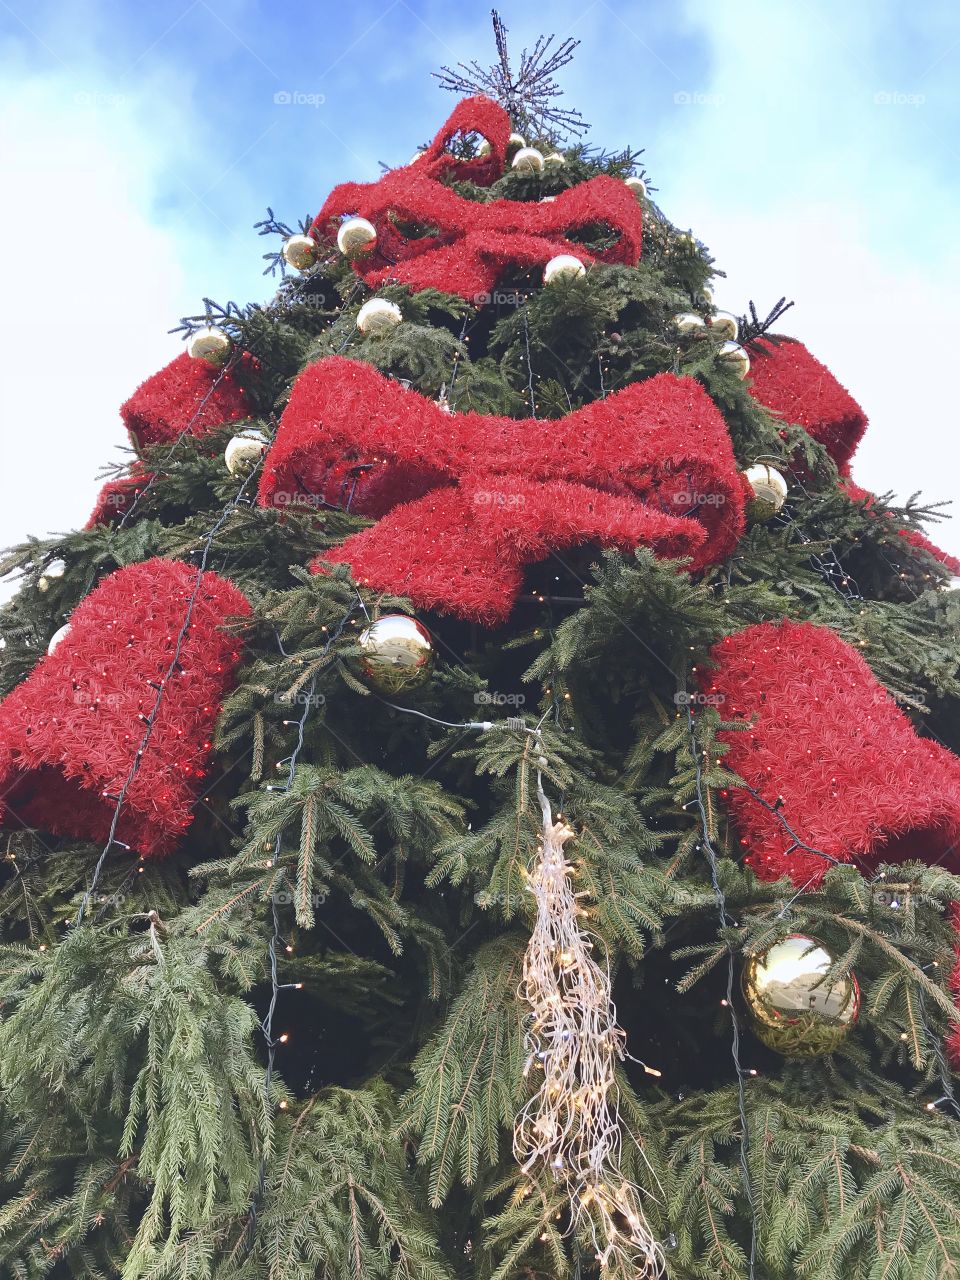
{"x": 733, "y": 354}
{"x": 300, "y": 252}
{"x": 528, "y": 160}
{"x": 725, "y": 325}
{"x": 60, "y": 634}
{"x": 377, "y": 317}
{"x": 637, "y": 186}
{"x": 210, "y": 344}
{"x": 356, "y": 236}
{"x": 563, "y": 267}
{"x": 689, "y": 322}
{"x": 571, "y": 1125}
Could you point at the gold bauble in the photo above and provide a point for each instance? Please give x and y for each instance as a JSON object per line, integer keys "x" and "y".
{"x": 725, "y": 325}
{"x": 554, "y": 160}
{"x": 528, "y": 160}
{"x": 377, "y": 317}
{"x": 210, "y": 344}
{"x": 55, "y": 569}
{"x": 300, "y": 252}
{"x": 733, "y": 355}
{"x": 244, "y": 452}
{"x": 791, "y": 1009}
{"x": 356, "y": 236}
{"x": 689, "y": 322}
{"x": 514, "y": 143}
{"x": 396, "y": 654}
{"x": 637, "y": 186}
{"x": 60, "y": 634}
{"x": 563, "y": 267}
{"x": 769, "y": 491}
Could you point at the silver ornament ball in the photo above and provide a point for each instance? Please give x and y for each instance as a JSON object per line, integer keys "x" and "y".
{"x": 356, "y": 236}
{"x": 210, "y": 344}
{"x": 734, "y": 356}
{"x": 689, "y": 322}
{"x": 60, "y": 634}
{"x": 244, "y": 451}
{"x": 725, "y": 325}
{"x": 563, "y": 267}
{"x": 769, "y": 491}
{"x": 528, "y": 160}
{"x": 377, "y": 317}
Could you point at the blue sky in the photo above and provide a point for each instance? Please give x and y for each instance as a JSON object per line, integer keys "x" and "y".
{"x": 813, "y": 147}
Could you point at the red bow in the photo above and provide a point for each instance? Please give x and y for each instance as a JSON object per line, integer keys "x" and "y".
{"x": 468, "y": 500}
{"x": 428, "y": 236}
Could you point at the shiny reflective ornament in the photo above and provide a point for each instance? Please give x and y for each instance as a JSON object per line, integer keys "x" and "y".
{"x": 637, "y": 186}
{"x": 554, "y": 160}
{"x": 725, "y": 325}
{"x": 396, "y": 654}
{"x": 528, "y": 160}
{"x": 55, "y": 569}
{"x": 300, "y": 252}
{"x": 792, "y": 1010}
{"x": 689, "y": 322}
{"x": 58, "y": 635}
{"x": 377, "y": 317}
{"x": 356, "y": 236}
{"x": 514, "y": 143}
{"x": 244, "y": 452}
{"x": 210, "y": 344}
{"x": 769, "y": 491}
{"x": 563, "y": 267}
{"x": 732, "y": 354}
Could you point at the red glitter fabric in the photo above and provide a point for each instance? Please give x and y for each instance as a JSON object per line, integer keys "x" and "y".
{"x": 913, "y": 537}
{"x": 114, "y": 499}
{"x": 186, "y": 395}
{"x": 856, "y": 780}
{"x": 792, "y": 383}
{"x": 472, "y": 115}
{"x": 468, "y": 246}
{"x": 70, "y": 732}
{"x": 467, "y": 500}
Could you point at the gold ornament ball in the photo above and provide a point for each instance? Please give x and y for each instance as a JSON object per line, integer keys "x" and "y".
{"x": 60, "y": 634}
{"x": 791, "y": 1009}
{"x": 244, "y": 452}
{"x": 637, "y": 186}
{"x": 554, "y": 160}
{"x": 356, "y": 236}
{"x": 514, "y": 143}
{"x": 528, "y": 160}
{"x": 563, "y": 267}
{"x": 210, "y": 344}
{"x": 396, "y": 654}
{"x": 377, "y": 317}
{"x": 689, "y": 322}
{"x": 725, "y": 325}
{"x": 55, "y": 569}
{"x": 769, "y": 491}
{"x": 732, "y": 354}
{"x": 300, "y": 252}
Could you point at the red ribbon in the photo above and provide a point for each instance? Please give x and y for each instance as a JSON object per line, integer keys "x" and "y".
{"x": 428, "y": 236}
{"x": 468, "y": 500}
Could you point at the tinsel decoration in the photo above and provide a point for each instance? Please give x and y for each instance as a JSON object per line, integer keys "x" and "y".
{"x": 467, "y": 500}
{"x": 71, "y": 732}
{"x": 473, "y": 115}
{"x": 571, "y": 1124}
{"x": 187, "y": 395}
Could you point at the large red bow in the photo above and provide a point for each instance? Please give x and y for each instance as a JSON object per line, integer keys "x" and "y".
{"x": 468, "y": 500}
{"x": 428, "y": 236}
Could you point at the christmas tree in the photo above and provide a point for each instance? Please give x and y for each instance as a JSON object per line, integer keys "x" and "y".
{"x": 479, "y": 796}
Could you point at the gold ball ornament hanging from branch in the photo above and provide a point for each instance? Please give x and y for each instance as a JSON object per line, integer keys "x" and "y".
{"x": 563, "y": 267}
{"x": 688, "y": 322}
{"x": 734, "y": 356}
{"x": 356, "y": 236}
{"x": 725, "y": 325}
{"x": 300, "y": 252}
{"x": 58, "y": 636}
{"x": 244, "y": 451}
{"x": 51, "y": 572}
{"x": 769, "y": 491}
{"x": 528, "y": 160}
{"x": 210, "y": 344}
{"x": 396, "y": 655}
{"x": 637, "y": 186}
{"x": 553, "y": 160}
{"x": 377, "y": 317}
{"x": 792, "y": 1009}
